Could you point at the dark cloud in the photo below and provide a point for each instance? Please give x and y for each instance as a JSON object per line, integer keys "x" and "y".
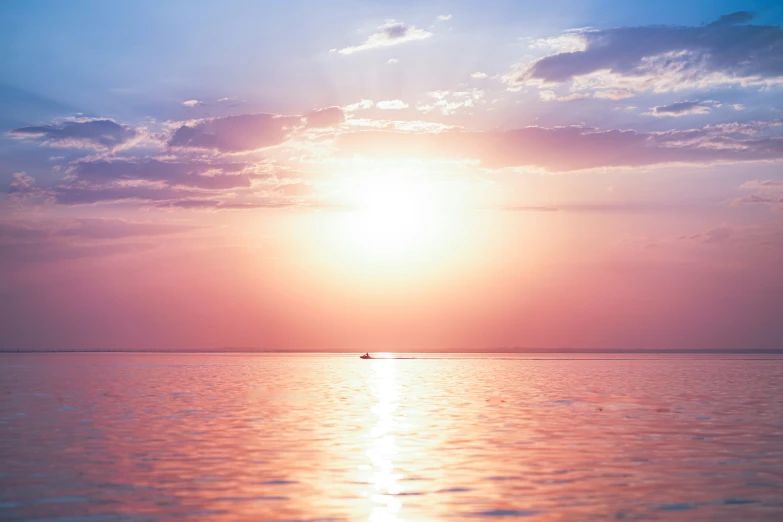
{"x": 682, "y": 108}
{"x": 236, "y": 133}
{"x": 740, "y": 17}
{"x": 188, "y": 174}
{"x": 99, "y": 134}
{"x": 329, "y": 117}
{"x": 396, "y": 30}
{"x": 736, "y": 51}
{"x": 571, "y": 148}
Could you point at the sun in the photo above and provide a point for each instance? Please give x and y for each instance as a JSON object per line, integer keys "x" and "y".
{"x": 393, "y": 211}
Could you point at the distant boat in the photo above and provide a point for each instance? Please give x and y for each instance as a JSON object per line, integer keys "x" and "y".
{"x": 365, "y": 356}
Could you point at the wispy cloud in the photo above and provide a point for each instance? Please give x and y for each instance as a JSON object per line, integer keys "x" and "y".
{"x": 197, "y": 174}
{"x": 85, "y": 228}
{"x": 392, "y": 105}
{"x": 89, "y": 133}
{"x": 329, "y": 117}
{"x": 450, "y": 102}
{"x": 547, "y": 95}
{"x": 684, "y": 108}
{"x": 360, "y": 105}
{"x": 389, "y": 34}
{"x": 576, "y": 148}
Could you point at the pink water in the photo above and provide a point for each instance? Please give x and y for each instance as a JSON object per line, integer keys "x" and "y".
{"x": 142, "y": 437}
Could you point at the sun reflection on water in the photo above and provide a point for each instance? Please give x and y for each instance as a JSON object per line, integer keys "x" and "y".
{"x": 382, "y": 443}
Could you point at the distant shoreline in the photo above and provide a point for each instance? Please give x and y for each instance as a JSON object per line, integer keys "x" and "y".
{"x": 517, "y": 351}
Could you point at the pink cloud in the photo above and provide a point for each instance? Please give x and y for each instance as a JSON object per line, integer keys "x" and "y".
{"x": 245, "y": 132}
{"x": 570, "y": 148}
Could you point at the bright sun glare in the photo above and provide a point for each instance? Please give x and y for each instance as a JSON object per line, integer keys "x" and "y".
{"x": 393, "y": 210}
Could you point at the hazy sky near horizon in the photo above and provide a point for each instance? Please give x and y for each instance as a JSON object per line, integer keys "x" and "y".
{"x": 384, "y": 175}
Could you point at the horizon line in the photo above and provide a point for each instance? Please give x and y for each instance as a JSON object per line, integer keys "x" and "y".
{"x": 515, "y": 350}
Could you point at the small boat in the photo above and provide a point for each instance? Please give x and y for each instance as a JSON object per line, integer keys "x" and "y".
{"x": 365, "y": 356}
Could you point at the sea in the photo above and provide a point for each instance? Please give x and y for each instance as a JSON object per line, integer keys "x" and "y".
{"x": 406, "y": 437}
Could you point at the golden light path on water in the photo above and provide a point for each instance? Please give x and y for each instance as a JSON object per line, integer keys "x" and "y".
{"x": 382, "y": 443}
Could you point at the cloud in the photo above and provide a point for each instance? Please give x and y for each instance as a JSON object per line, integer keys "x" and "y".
{"x": 389, "y": 34}
{"x": 663, "y": 58}
{"x": 478, "y": 75}
{"x": 360, "y": 105}
{"x": 740, "y": 17}
{"x": 192, "y": 103}
{"x": 143, "y": 180}
{"x": 392, "y": 105}
{"x": 527, "y": 208}
{"x": 768, "y": 192}
{"x": 52, "y": 252}
{"x": 443, "y": 18}
{"x": 570, "y": 41}
{"x": 547, "y": 95}
{"x": 170, "y": 184}
{"x": 182, "y": 198}
{"x": 236, "y": 133}
{"x": 213, "y": 176}
{"x": 600, "y": 207}
{"x": 715, "y": 235}
{"x": 90, "y": 228}
{"x": 755, "y": 184}
{"x": 683, "y": 108}
{"x": 329, "y": 117}
{"x": 748, "y": 238}
{"x": 96, "y": 134}
{"x": 399, "y": 125}
{"x": 77, "y": 195}
{"x": 23, "y": 241}
{"x": 613, "y": 94}
{"x": 755, "y": 198}
{"x": 610, "y": 94}
{"x": 449, "y": 102}
{"x": 392, "y": 61}
{"x": 20, "y": 182}
{"x": 215, "y": 204}
{"x": 575, "y": 148}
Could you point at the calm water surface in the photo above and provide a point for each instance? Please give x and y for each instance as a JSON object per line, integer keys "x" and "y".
{"x": 103, "y": 437}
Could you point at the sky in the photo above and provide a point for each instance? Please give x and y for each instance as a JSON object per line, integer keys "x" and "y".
{"x": 391, "y": 175}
